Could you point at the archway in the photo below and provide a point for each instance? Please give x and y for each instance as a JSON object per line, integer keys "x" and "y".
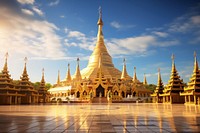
{"x": 116, "y": 93}
{"x": 78, "y": 94}
{"x": 123, "y": 94}
{"x": 100, "y": 91}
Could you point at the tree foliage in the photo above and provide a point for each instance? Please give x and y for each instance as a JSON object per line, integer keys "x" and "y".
{"x": 151, "y": 87}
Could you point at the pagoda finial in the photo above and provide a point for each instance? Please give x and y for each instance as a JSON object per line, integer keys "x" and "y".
{"x": 124, "y": 72}
{"x": 100, "y": 12}
{"x": 68, "y": 77}
{"x": 196, "y": 66}
{"x": 5, "y": 68}
{"x": 173, "y": 63}
{"x": 77, "y": 74}
{"x": 135, "y": 76}
{"x": 25, "y": 61}
{"x": 159, "y": 77}
{"x": 100, "y": 22}
{"x": 42, "y": 75}
{"x": 145, "y": 80}
{"x": 173, "y": 57}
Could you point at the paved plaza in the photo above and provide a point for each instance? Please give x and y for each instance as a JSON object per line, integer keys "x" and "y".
{"x": 97, "y": 118}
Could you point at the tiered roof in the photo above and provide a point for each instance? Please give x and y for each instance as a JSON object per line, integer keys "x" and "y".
{"x": 42, "y": 88}
{"x": 24, "y": 83}
{"x": 5, "y": 80}
{"x": 159, "y": 87}
{"x": 194, "y": 83}
{"x": 175, "y": 84}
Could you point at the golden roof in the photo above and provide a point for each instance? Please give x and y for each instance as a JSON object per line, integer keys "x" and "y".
{"x": 106, "y": 60}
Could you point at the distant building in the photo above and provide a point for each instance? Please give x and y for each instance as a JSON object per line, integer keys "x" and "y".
{"x": 192, "y": 90}
{"x": 171, "y": 92}
{"x": 21, "y": 92}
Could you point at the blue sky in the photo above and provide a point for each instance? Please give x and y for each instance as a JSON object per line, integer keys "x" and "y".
{"x": 53, "y": 33}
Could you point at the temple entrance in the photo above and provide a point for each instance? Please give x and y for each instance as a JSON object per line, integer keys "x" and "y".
{"x": 100, "y": 91}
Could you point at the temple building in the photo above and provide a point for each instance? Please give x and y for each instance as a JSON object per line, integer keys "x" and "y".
{"x": 171, "y": 92}
{"x": 100, "y": 78}
{"x": 192, "y": 90}
{"x": 9, "y": 94}
{"x": 21, "y": 91}
{"x": 159, "y": 90}
{"x": 44, "y": 95}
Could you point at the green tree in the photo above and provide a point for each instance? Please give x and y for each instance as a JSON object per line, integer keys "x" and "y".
{"x": 151, "y": 87}
{"x": 36, "y": 85}
{"x": 48, "y": 86}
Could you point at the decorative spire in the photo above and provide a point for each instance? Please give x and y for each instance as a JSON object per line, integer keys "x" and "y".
{"x": 58, "y": 80}
{"x": 5, "y": 68}
{"x": 77, "y": 75}
{"x": 124, "y": 72}
{"x": 159, "y": 78}
{"x": 159, "y": 87}
{"x": 25, "y": 74}
{"x": 135, "y": 76}
{"x": 42, "y": 80}
{"x": 196, "y": 66}
{"x": 68, "y": 77}
{"x": 145, "y": 80}
{"x": 100, "y": 22}
{"x": 173, "y": 63}
{"x": 25, "y": 61}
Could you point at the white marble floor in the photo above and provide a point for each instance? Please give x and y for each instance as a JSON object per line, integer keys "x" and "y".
{"x": 97, "y": 118}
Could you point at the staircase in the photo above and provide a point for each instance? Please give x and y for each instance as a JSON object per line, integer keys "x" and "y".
{"x": 99, "y": 100}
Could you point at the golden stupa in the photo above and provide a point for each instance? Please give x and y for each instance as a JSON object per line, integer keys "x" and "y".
{"x": 100, "y": 78}
{"x": 100, "y": 50}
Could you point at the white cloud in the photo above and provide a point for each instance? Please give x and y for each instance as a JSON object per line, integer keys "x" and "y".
{"x": 196, "y": 19}
{"x": 160, "y": 34}
{"x": 117, "y": 25}
{"x": 28, "y": 12}
{"x": 131, "y": 45}
{"x": 26, "y": 1}
{"x": 23, "y": 36}
{"x": 53, "y": 3}
{"x": 62, "y": 16}
{"x": 38, "y": 11}
{"x": 76, "y": 34}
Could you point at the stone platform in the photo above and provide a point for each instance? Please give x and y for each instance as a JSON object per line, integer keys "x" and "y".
{"x": 100, "y": 118}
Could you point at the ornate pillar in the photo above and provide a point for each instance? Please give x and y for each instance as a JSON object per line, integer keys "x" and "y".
{"x": 15, "y": 99}
{"x": 185, "y": 99}
{"x": 195, "y": 100}
{"x": 189, "y": 99}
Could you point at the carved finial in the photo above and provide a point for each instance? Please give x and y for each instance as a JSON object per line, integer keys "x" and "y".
{"x": 124, "y": 60}
{"x": 78, "y": 59}
{"x": 173, "y": 57}
{"x": 135, "y": 69}
{"x": 6, "y": 55}
{"x": 68, "y": 65}
{"x": 195, "y": 54}
{"x": 25, "y": 59}
{"x": 100, "y": 12}
{"x": 159, "y": 70}
{"x": 42, "y": 70}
